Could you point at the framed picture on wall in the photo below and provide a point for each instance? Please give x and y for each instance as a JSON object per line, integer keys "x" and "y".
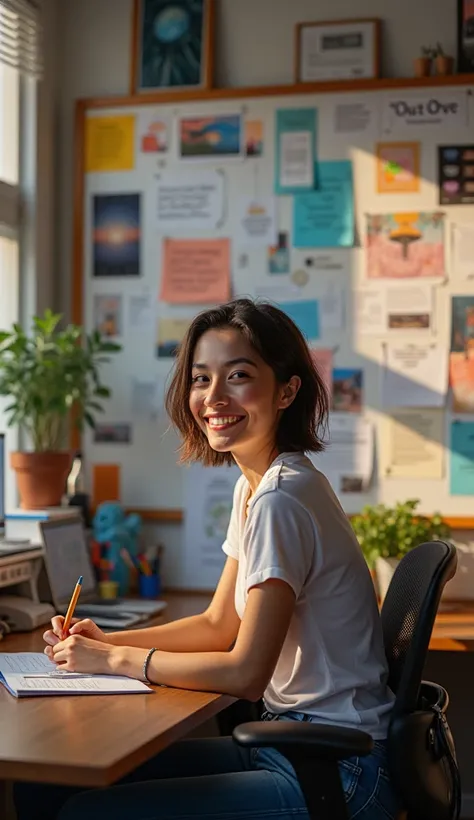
{"x": 172, "y": 45}
{"x": 465, "y": 36}
{"x": 337, "y": 50}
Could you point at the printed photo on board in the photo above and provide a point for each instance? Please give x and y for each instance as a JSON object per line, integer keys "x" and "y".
{"x": 253, "y": 138}
{"x": 456, "y": 174}
{"x": 462, "y": 324}
{"x": 108, "y": 314}
{"x": 112, "y": 434}
{"x": 171, "y": 333}
{"x": 279, "y": 255}
{"x": 406, "y": 245}
{"x": 219, "y": 136}
{"x": 347, "y": 387}
{"x": 116, "y": 235}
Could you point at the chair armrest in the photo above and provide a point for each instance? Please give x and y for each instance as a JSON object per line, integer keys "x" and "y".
{"x": 317, "y": 740}
{"x": 432, "y": 694}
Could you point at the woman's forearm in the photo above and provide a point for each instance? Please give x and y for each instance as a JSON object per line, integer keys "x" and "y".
{"x": 203, "y": 671}
{"x": 194, "y": 634}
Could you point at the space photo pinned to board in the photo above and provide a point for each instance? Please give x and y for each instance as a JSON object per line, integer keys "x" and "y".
{"x": 116, "y": 235}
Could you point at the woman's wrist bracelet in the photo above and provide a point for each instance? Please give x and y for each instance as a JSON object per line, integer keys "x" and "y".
{"x": 146, "y": 664}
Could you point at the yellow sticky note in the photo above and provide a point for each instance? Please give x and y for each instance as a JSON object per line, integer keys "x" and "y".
{"x": 110, "y": 143}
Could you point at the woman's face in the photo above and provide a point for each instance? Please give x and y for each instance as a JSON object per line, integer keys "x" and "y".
{"x": 234, "y": 397}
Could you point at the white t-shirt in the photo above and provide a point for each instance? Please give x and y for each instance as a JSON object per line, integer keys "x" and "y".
{"x": 332, "y": 664}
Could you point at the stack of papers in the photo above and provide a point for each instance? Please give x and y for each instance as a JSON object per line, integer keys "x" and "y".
{"x": 32, "y": 673}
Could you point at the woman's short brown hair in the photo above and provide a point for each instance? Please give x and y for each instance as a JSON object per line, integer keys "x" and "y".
{"x": 279, "y": 342}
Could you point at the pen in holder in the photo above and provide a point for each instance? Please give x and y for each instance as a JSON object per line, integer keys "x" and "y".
{"x": 107, "y": 587}
{"x": 149, "y": 580}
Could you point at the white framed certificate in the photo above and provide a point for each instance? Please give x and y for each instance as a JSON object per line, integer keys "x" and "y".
{"x": 339, "y": 50}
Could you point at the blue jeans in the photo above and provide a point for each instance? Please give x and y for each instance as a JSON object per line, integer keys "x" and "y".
{"x": 213, "y": 778}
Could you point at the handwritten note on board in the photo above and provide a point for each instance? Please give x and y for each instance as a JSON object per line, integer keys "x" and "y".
{"x": 195, "y": 271}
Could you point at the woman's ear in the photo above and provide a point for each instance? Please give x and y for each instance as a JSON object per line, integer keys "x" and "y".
{"x": 289, "y": 392}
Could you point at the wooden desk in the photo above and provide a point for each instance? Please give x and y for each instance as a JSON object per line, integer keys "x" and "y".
{"x": 454, "y": 628}
{"x": 94, "y": 740}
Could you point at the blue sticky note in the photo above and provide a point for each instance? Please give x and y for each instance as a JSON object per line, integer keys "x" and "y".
{"x": 295, "y": 150}
{"x": 305, "y": 315}
{"x": 325, "y": 218}
{"x": 462, "y": 458}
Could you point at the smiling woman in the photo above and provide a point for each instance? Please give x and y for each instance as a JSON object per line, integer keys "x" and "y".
{"x": 293, "y": 604}
{"x": 249, "y": 362}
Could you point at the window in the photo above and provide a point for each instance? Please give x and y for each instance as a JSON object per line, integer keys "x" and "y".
{"x": 19, "y": 67}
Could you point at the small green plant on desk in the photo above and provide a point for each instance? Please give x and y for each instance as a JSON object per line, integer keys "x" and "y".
{"x": 386, "y": 534}
{"x": 50, "y": 376}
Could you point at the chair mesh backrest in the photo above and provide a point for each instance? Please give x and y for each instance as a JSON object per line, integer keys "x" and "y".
{"x": 408, "y": 614}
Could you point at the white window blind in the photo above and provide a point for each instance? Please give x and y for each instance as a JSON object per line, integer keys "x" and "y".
{"x": 20, "y": 36}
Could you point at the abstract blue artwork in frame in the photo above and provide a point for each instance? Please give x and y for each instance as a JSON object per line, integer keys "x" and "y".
{"x": 172, "y": 45}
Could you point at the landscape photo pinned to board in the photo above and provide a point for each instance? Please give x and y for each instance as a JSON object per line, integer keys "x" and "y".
{"x": 219, "y": 136}
{"x": 108, "y": 314}
{"x": 398, "y": 167}
{"x": 171, "y": 333}
{"x": 172, "y": 45}
{"x": 116, "y": 235}
{"x": 406, "y": 245}
{"x": 347, "y": 390}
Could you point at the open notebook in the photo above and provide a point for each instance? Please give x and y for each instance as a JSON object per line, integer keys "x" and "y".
{"x": 32, "y": 673}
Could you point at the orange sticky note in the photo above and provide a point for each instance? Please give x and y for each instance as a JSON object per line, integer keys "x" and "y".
{"x": 195, "y": 271}
{"x": 105, "y": 483}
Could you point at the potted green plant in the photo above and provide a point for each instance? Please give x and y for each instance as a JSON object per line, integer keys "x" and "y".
{"x": 444, "y": 64}
{"x": 386, "y": 534}
{"x": 50, "y": 376}
{"x": 423, "y": 64}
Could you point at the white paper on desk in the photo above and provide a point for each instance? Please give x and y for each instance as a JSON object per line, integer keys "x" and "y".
{"x": 15, "y": 669}
{"x": 463, "y": 251}
{"x": 413, "y": 444}
{"x": 207, "y": 499}
{"x": 25, "y": 663}
{"x": 415, "y": 375}
{"x": 348, "y": 460}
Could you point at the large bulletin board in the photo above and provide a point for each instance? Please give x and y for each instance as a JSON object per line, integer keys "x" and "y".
{"x": 351, "y": 206}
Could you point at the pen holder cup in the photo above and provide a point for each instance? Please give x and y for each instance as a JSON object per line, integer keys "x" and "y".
{"x": 150, "y": 586}
{"x": 108, "y": 589}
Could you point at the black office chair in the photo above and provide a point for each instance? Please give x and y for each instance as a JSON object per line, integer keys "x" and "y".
{"x": 408, "y": 614}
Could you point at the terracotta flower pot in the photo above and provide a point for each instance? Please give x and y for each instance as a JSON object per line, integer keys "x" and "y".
{"x": 444, "y": 65}
{"x": 41, "y": 478}
{"x": 422, "y": 67}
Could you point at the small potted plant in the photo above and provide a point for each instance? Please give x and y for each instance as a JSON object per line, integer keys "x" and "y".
{"x": 49, "y": 377}
{"x": 386, "y": 534}
{"x": 423, "y": 64}
{"x": 444, "y": 64}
